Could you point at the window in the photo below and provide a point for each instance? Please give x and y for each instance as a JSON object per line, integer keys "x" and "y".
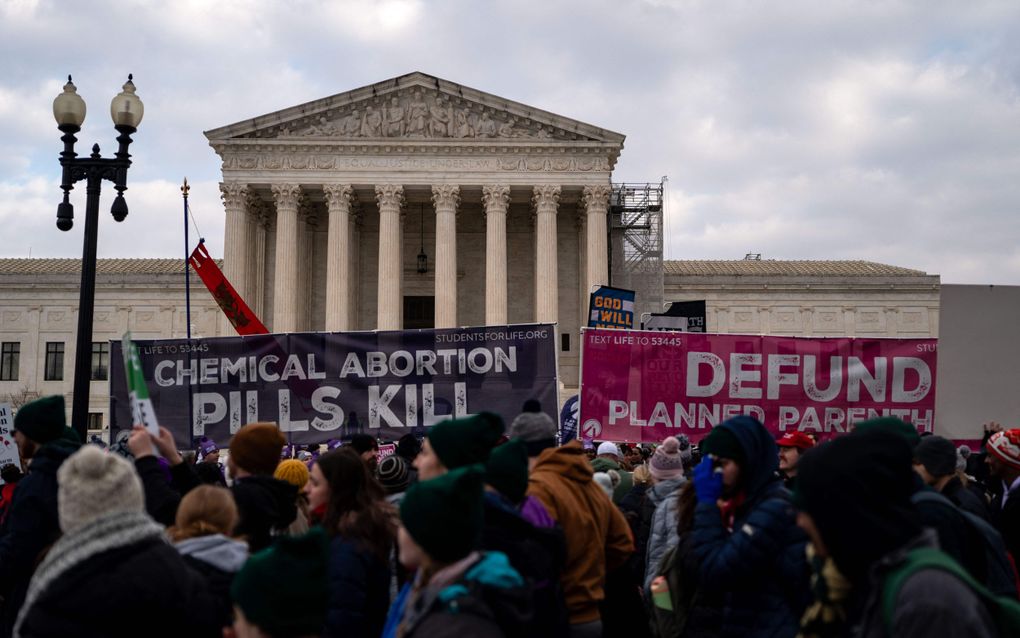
{"x": 100, "y": 360}
{"x": 419, "y": 312}
{"x": 54, "y": 361}
{"x": 95, "y": 421}
{"x": 10, "y": 357}
{"x": 565, "y": 342}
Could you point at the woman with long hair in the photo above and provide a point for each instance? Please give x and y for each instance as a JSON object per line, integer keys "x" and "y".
{"x": 362, "y": 529}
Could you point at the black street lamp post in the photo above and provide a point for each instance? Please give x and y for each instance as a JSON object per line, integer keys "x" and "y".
{"x": 69, "y": 111}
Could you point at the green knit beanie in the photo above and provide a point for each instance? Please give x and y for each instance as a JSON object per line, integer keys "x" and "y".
{"x": 42, "y": 420}
{"x": 460, "y": 442}
{"x": 722, "y": 442}
{"x": 507, "y": 470}
{"x": 891, "y": 424}
{"x": 284, "y": 590}
{"x": 444, "y": 515}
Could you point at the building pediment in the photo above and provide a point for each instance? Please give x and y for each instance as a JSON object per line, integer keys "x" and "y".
{"x": 414, "y": 108}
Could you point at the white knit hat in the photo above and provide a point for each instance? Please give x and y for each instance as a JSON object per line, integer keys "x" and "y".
{"x": 93, "y": 484}
{"x": 608, "y": 447}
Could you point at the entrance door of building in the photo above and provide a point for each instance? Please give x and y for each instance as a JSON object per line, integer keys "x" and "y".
{"x": 419, "y": 312}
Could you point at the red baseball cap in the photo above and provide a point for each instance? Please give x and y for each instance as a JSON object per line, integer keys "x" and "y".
{"x": 798, "y": 440}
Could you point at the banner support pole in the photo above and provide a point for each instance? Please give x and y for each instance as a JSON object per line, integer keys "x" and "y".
{"x": 187, "y": 257}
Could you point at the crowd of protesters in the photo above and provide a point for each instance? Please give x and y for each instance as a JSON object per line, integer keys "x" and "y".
{"x": 487, "y": 529}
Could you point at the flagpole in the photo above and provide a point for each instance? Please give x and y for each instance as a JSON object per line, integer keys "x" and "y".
{"x": 187, "y": 257}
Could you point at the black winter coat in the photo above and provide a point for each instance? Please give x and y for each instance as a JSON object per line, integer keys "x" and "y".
{"x": 31, "y": 527}
{"x": 538, "y": 555}
{"x": 359, "y": 591}
{"x": 1006, "y": 519}
{"x": 143, "y": 589}
{"x": 966, "y": 498}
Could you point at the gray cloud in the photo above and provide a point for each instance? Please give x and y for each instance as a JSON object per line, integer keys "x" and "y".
{"x": 884, "y": 131}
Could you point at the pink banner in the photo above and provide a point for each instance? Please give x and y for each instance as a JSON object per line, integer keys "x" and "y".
{"x": 644, "y": 386}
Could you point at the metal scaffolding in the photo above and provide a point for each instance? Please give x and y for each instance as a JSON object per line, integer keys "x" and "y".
{"x": 635, "y": 242}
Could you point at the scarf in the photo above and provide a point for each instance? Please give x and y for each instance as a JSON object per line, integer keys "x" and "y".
{"x": 826, "y": 617}
{"x": 109, "y": 532}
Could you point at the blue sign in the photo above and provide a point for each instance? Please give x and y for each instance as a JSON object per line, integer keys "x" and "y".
{"x": 611, "y": 308}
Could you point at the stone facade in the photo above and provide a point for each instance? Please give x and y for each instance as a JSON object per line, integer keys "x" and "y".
{"x": 822, "y": 299}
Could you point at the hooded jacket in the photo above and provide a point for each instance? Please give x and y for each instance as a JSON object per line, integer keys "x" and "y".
{"x": 264, "y": 505}
{"x": 604, "y": 464}
{"x": 218, "y": 559}
{"x": 662, "y": 534}
{"x": 359, "y": 590}
{"x": 481, "y": 597}
{"x": 31, "y": 526}
{"x": 562, "y": 480}
{"x": 759, "y": 568}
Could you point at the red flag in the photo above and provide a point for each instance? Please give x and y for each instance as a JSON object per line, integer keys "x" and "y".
{"x": 238, "y": 312}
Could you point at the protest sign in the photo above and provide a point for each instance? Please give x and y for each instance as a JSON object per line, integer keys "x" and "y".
{"x": 611, "y": 308}
{"x": 8, "y": 448}
{"x": 320, "y": 386}
{"x": 142, "y": 412}
{"x": 644, "y": 386}
{"x": 681, "y": 316}
{"x": 386, "y": 449}
{"x": 568, "y": 420}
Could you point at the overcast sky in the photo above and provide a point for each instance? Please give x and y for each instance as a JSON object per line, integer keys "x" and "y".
{"x": 886, "y": 131}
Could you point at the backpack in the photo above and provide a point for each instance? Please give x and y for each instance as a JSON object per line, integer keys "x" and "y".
{"x": 1004, "y": 610}
{"x": 1001, "y": 577}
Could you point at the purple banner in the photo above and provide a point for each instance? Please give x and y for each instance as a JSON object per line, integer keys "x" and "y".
{"x": 320, "y": 386}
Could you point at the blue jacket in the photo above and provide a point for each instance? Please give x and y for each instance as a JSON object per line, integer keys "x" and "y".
{"x": 359, "y": 590}
{"x": 759, "y": 568}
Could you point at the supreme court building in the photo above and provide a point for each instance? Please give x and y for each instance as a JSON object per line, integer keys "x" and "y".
{"x": 416, "y": 203}
{"x": 419, "y": 203}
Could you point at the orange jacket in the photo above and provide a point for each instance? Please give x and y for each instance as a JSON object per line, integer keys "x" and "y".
{"x": 598, "y": 537}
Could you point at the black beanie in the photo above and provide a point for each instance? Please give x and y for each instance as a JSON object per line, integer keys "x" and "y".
{"x": 444, "y": 515}
{"x": 42, "y": 420}
{"x": 507, "y": 470}
{"x": 937, "y": 455}
{"x": 722, "y": 442}
{"x": 857, "y": 490}
{"x": 460, "y": 442}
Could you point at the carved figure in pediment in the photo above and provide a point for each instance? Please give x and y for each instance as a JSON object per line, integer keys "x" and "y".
{"x": 506, "y": 129}
{"x": 543, "y": 133}
{"x": 417, "y": 116}
{"x": 322, "y": 129}
{"x": 486, "y": 126}
{"x": 439, "y": 125}
{"x": 395, "y": 119}
{"x": 371, "y": 126}
{"x": 352, "y": 124}
{"x": 462, "y": 128}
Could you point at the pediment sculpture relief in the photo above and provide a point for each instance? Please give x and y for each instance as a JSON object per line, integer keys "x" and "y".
{"x": 422, "y": 114}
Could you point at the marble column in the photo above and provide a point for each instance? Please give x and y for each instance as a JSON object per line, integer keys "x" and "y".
{"x": 446, "y": 197}
{"x": 390, "y": 302}
{"x": 255, "y": 269}
{"x": 338, "y": 257}
{"x": 546, "y": 199}
{"x": 285, "y": 282}
{"x": 595, "y": 200}
{"x": 581, "y": 224}
{"x": 496, "y": 199}
{"x": 305, "y": 262}
{"x": 235, "y": 243}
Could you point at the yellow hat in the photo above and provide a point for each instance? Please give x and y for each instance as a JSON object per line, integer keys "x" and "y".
{"x": 292, "y": 471}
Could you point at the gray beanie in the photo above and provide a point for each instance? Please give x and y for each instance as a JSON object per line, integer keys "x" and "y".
{"x": 93, "y": 484}
{"x": 536, "y": 429}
